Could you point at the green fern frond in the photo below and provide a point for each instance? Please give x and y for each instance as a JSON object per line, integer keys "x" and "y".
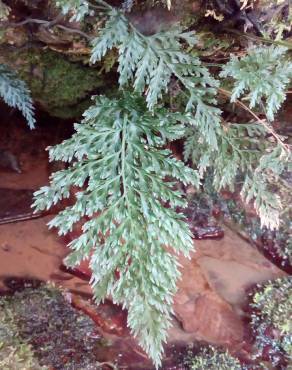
{"x": 126, "y": 177}
{"x": 78, "y": 8}
{"x": 262, "y": 75}
{"x": 243, "y": 151}
{"x": 16, "y": 94}
{"x": 150, "y": 62}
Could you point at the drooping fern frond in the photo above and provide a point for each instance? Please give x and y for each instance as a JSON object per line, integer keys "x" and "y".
{"x": 243, "y": 151}
{"x": 16, "y": 94}
{"x": 127, "y": 197}
{"x": 126, "y": 182}
{"x": 262, "y": 75}
{"x": 150, "y": 62}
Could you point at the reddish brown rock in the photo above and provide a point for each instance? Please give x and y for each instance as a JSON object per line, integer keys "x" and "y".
{"x": 215, "y": 321}
{"x": 213, "y": 289}
{"x": 202, "y": 311}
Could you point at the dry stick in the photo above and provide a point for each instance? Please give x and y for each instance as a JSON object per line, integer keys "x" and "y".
{"x": 267, "y": 127}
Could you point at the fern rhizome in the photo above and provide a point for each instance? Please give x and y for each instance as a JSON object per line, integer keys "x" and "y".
{"x": 117, "y": 158}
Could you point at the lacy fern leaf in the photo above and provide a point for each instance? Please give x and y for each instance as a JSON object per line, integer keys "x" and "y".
{"x": 243, "y": 151}
{"x": 78, "y": 8}
{"x": 149, "y": 62}
{"x": 263, "y": 74}
{"x": 126, "y": 181}
{"x": 16, "y": 94}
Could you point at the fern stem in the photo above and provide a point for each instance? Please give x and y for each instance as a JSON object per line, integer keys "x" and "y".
{"x": 104, "y": 3}
{"x": 123, "y": 158}
{"x": 287, "y": 44}
{"x": 261, "y": 121}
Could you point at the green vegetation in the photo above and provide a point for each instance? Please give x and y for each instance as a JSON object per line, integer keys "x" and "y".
{"x": 118, "y": 151}
{"x": 126, "y": 177}
{"x": 62, "y": 88}
{"x": 15, "y": 352}
{"x": 272, "y": 320}
{"x": 213, "y": 359}
{"x": 40, "y": 330}
{"x": 16, "y": 94}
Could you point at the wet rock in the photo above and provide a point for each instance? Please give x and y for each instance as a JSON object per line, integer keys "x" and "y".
{"x": 108, "y": 317}
{"x": 231, "y": 279}
{"x": 16, "y": 284}
{"x": 212, "y": 290}
{"x": 8, "y": 161}
{"x": 211, "y": 318}
{"x": 15, "y": 205}
{"x": 208, "y": 232}
{"x": 202, "y": 311}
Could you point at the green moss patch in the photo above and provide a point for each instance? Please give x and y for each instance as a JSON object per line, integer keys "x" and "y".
{"x": 39, "y": 329}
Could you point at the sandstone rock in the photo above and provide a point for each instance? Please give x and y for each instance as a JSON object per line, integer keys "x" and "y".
{"x": 213, "y": 288}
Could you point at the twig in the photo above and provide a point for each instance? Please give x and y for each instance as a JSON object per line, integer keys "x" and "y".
{"x": 263, "y": 122}
{"x": 287, "y": 44}
{"x": 47, "y": 24}
{"x": 73, "y": 30}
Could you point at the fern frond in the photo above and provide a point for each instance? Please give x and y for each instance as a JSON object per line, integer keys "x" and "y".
{"x": 126, "y": 176}
{"x": 243, "y": 151}
{"x": 150, "y": 62}
{"x": 78, "y": 8}
{"x": 262, "y": 75}
{"x": 16, "y": 94}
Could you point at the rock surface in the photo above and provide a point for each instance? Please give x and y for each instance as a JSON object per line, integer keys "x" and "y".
{"x": 211, "y": 291}
{"x": 213, "y": 288}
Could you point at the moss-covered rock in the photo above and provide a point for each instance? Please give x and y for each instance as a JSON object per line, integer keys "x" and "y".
{"x": 15, "y": 352}
{"x": 272, "y": 322}
{"x": 213, "y": 359}
{"x": 39, "y": 329}
{"x": 58, "y": 86}
{"x": 61, "y": 87}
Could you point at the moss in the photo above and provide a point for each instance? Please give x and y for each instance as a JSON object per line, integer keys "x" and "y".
{"x": 39, "y": 328}
{"x": 272, "y": 321}
{"x": 15, "y": 353}
{"x": 213, "y": 359}
{"x": 61, "y": 87}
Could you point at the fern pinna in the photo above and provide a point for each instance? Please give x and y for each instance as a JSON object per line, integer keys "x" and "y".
{"x": 16, "y": 94}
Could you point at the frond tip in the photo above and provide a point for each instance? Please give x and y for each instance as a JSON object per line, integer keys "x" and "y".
{"x": 263, "y": 74}
{"x": 16, "y": 94}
